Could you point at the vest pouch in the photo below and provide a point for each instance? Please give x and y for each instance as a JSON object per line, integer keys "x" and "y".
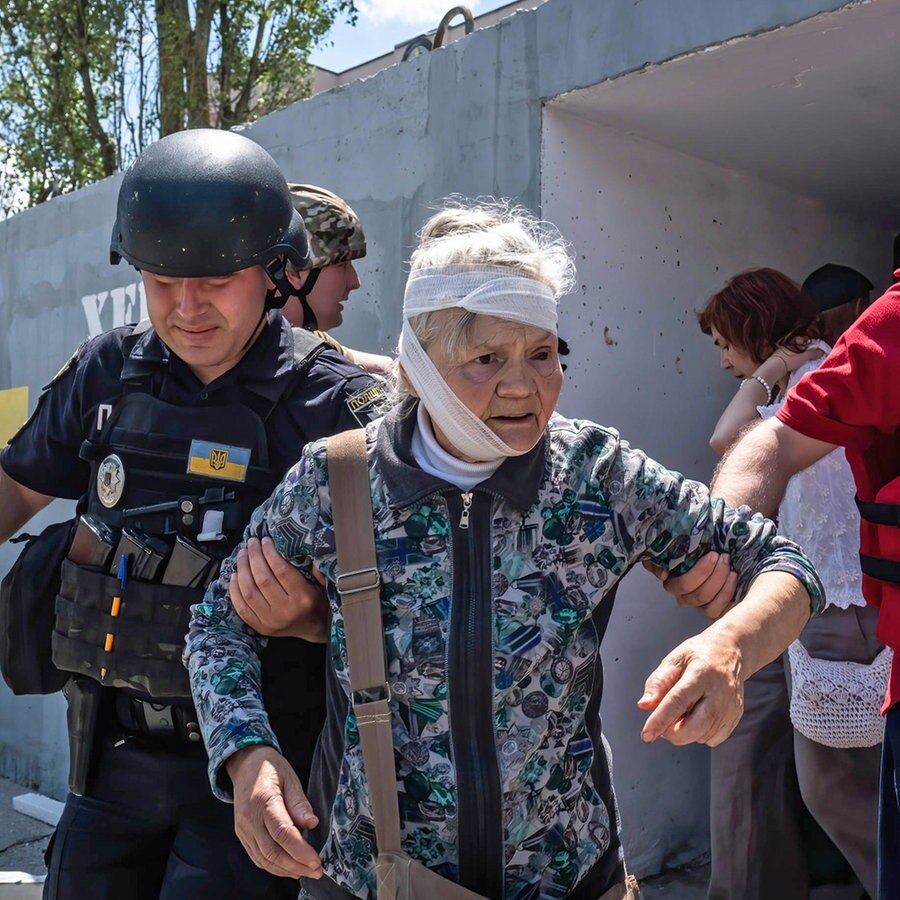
{"x": 26, "y": 613}
{"x": 147, "y": 635}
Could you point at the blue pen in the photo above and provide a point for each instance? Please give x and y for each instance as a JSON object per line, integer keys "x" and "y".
{"x": 122, "y": 576}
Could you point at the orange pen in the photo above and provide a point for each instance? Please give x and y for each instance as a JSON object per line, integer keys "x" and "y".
{"x": 116, "y": 608}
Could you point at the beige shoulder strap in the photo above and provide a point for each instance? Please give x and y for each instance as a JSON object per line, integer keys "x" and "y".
{"x": 358, "y": 585}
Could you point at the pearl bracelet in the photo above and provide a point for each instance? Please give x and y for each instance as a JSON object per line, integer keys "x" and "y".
{"x": 765, "y": 385}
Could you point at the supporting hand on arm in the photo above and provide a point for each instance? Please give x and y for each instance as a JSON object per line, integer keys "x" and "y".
{"x": 274, "y": 598}
{"x": 709, "y": 587}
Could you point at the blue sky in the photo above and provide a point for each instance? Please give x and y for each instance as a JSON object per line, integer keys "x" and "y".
{"x": 383, "y": 23}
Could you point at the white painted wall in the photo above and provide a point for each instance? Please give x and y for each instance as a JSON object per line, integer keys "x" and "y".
{"x": 655, "y": 232}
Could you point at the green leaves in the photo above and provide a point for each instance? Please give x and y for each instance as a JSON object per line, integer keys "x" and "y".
{"x": 85, "y": 85}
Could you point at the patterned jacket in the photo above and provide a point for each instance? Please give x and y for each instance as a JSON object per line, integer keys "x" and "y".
{"x": 492, "y": 603}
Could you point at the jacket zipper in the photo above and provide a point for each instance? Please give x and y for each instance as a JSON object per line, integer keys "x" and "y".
{"x": 470, "y": 683}
{"x": 466, "y": 506}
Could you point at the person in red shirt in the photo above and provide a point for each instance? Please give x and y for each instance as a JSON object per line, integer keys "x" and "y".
{"x": 853, "y": 401}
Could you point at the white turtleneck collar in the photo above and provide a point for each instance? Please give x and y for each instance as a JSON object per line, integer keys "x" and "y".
{"x": 435, "y": 460}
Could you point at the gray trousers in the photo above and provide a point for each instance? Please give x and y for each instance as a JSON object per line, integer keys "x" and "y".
{"x": 764, "y": 773}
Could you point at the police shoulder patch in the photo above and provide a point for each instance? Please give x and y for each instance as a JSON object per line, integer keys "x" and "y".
{"x": 366, "y": 405}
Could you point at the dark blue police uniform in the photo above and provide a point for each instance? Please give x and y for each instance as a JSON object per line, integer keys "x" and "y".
{"x": 148, "y": 825}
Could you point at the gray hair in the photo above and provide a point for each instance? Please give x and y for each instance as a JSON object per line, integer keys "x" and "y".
{"x": 487, "y": 233}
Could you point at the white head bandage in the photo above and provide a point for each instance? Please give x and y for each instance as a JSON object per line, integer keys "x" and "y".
{"x": 486, "y": 290}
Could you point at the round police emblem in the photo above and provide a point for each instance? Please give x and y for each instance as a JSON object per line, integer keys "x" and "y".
{"x": 110, "y": 481}
{"x": 535, "y": 704}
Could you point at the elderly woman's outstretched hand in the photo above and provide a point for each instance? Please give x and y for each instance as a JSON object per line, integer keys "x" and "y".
{"x": 696, "y": 694}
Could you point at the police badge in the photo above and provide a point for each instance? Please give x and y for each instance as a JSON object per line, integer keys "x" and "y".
{"x": 111, "y": 480}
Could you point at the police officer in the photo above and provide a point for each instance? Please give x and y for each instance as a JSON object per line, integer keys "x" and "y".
{"x": 169, "y": 434}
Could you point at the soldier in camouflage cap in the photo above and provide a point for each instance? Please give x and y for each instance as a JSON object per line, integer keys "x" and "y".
{"x": 336, "y": 238}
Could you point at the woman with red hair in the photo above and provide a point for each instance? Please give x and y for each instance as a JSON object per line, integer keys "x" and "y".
{"x": 820, "y": 715}
{"x": 766, "y": 329}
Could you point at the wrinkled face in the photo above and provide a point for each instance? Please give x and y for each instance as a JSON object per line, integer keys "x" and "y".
{"x": 207, "y": 322}
{"x": 507, "y": 374}
{"x": 733, "y": 359}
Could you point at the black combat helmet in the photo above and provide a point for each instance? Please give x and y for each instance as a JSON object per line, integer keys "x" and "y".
{"x": 205, "y": 203}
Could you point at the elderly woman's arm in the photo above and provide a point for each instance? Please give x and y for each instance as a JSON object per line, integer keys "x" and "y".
{"x": 222, "y": 651}
{"x": 222, "y": 655}
{"x": 672, "y": 522}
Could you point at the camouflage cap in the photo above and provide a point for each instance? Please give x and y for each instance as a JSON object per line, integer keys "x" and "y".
{"x": 335, "y": 232}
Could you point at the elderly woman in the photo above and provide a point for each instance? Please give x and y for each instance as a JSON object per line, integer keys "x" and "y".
{"x": 501, "y": 528}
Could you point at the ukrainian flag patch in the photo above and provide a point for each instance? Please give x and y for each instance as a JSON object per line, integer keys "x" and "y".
{"x": 218, "y": 461}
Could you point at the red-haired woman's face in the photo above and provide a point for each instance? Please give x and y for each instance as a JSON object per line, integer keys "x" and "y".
{"x": 734, "y": 359}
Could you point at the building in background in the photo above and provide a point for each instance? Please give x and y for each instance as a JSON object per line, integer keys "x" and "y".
{"x": 457, "y": 27}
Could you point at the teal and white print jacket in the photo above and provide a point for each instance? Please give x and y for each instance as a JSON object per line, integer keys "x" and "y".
{"x": 492, "y": 602}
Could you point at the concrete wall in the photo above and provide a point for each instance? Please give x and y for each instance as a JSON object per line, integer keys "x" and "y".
{"x": 655, "y": 232}
{"x": 465, "y": 119}
{"x": 326, "y": 80}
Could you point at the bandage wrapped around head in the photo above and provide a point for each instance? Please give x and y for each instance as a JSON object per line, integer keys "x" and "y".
{"x": 486, "y": 290}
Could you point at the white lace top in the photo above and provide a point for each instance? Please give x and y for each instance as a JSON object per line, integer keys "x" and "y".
{"x": 819, "y": 513}
{"x": 835, "y": 703}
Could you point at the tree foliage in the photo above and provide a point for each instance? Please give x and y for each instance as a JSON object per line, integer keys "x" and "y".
{"x": 85, "y": 85}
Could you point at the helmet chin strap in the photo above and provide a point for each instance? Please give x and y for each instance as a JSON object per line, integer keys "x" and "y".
{"x": 284, "y": 290}
{"x": 309, "y": 317}
{"x": 255, "y": 333}
{"x": 277, "y": 296}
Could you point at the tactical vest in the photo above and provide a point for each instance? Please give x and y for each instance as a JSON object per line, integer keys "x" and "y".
{"x": 162, "y": 471}
{"x": 886, "y": 519}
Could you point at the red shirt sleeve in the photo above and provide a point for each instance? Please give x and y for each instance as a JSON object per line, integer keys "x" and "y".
{"x": 854, "y": 394}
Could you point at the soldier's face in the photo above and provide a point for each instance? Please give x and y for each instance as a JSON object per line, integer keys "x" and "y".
{"x": 327, "y": 298}
{"x": 207, "y": 322}
{"x": 332, "y": 289}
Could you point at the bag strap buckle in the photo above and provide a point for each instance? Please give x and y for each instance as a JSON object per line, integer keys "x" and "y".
{"x": 376, "y": 694}
{"x": 355, "y": 587}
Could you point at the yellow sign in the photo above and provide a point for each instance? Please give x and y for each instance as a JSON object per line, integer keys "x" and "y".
{"x": 13, "y": 412}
